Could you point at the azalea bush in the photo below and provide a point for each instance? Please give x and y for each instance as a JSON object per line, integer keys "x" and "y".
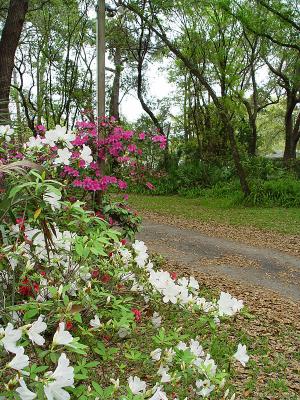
{"x": 86, "y": 314}
{"x": 90, "y": 164}
{"x": 87, "y": 166}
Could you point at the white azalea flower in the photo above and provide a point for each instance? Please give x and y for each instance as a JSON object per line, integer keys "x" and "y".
{"x": 53, "y": 199}
{"x": 149, "y": 267}
{"x": 136, "y": 385}
{"x": 86, "y": 154}
{"x": 159, "y": 395}
{"x": 24, "y": 392}
{"x": 229, "y": 305}
{"x": 165, "y": 376}
{"x": 125, "y": 254}
{"x": 52, "y": 136}
{"x": 62, "y": 336}
{"x": 183, "y": 282}
{"x": 156, "y": 354}
{"x": 139, "y": 247}
{"x": 193, "y": 283}
{"x": 181, "y": 346}
{"x": 156, "y": 320}
{"x": 34, "y": 143}
{"x": 36, "y": 328}
{"x": 196, "y": 348}
{"x": 95, "y": 323}
{"x": 171, "y": 293}
{"x": 62, "y": 377}
{"x": 184, "y": 297}
{"x": 204, "y": 304}
{"x": 204, "y": 387}
{"x": 123, "y": 332}
{"x": 11, "y": 336}
{"x": 169, "y": 354}
{"x": 141, "y": 259}
{"x": 59, "y": 134}
{"x": 64, "y": 156}
{"x": 6, "y": 131}
{"x": 241, "y": 354}
{"x": 209, "y": 366}
{"x": 20, "y": 360}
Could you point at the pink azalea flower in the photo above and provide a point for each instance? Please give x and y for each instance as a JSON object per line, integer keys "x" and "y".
{"x": 150, "y": 186}
{"x": 127, "y": 135}
{"x": 132, "y": 148}
{"x": 122, "y": 185}
{"x": 40, "y": 128}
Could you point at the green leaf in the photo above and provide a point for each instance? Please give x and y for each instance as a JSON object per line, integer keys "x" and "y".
{"x": 77, "y": 317}
{"x": 92, "y": 364}
{"x": 79, "y": 249}
{"x": 97, "y": 388}
{"x": 30, "y": 313}
{"x": 54, "y": 357}
{"x": 18, "y": 188}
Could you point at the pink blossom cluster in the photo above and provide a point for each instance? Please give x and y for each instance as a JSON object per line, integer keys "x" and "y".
{"x": 160, "y": 139}
{"x": 99, "y": 184}
{"x": 70, "y": 171}
{"x": 79, "y": 156}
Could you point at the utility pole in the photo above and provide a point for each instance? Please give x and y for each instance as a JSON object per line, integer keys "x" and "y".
{"x": 100, "y": 60}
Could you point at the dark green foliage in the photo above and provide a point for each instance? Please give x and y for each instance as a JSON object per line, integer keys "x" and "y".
{"x": 188, "y": 177}
{"x": 283, "y": 192}
{"x": 272, "y": 184}
{"x": 266, "y": 169}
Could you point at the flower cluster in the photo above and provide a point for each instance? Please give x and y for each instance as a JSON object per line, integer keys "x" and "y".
{"x": 78, "y": 154}
{"x": 182, "y": 291}
{"x": 53, "y": 382}
{"x": 6, "y": 132}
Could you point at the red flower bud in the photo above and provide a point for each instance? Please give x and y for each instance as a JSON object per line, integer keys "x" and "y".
{"x": 69, "y": 325}
{"x": 105, "y": 278}
{"x": 28, "y": 288}
{"x": 137, "y": 315}
{"x": 95, "y": 273}
{"x": 173, "y": 276}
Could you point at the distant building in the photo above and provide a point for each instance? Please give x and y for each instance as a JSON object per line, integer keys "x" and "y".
{"x": 277, "y": 154}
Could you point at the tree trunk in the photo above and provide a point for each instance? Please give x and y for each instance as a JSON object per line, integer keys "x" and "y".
{"x": 253, "y": 139}
{"x": 252, "y": 111}
{"x": 185, "y": 118}
{"x": 290, "y": 139}
{"x": 18, "y": 108}
{"x": 115, "y": 93}
{"x": 236, "y": 158}
{"x": 8, "y": 45}
{"x": 253, "y": 115}
{"x": 142, "y": 101}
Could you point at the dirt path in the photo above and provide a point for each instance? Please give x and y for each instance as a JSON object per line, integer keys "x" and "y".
{"x": 248, "y": 264}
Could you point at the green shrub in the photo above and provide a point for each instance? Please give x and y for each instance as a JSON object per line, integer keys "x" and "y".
{"x": 279, "y": 192}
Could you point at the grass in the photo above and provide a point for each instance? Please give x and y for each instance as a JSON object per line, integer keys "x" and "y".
{"x": 221, "y": 210}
